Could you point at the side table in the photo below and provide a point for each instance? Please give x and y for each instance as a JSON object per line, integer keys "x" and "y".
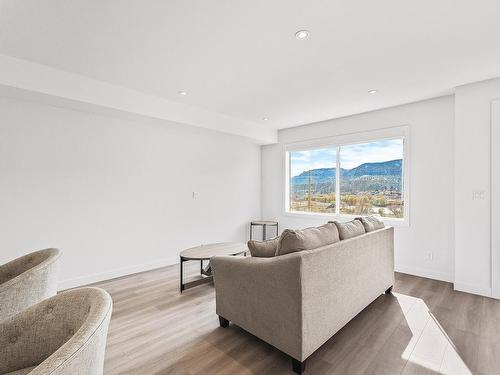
{"x": 264, "y": 224}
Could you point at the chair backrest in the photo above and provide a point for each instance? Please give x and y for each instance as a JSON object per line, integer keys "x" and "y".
{"x": 65, "y": 334}
{"x": 28, "y": 280}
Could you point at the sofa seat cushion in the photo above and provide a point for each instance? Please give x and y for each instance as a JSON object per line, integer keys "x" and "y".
{"x": 350, "y": 229}
{"x": 371, "y": 223}
{"x": 263, "y": 249}
{"x": 292, "y": 241}
{"x": 22, "y": 371}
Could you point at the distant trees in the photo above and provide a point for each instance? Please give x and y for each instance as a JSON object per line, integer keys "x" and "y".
{"x": 324, "y": 198}
{"x": 379, "y": 201}
{"x": 355, "y": 204}
{"x": 384, "y": 203}
{"x": 397, "y": 211}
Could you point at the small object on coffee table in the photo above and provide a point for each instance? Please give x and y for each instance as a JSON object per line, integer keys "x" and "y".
{"x": 205, "y": 252}
{"x": 264, "y": 224}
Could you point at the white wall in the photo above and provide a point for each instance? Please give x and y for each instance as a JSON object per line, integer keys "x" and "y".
{"x": 116, "y": 195}
{"x": 495, "y": 199}
{"x": 472, "y": 175}
{"x": 431, "y": 180}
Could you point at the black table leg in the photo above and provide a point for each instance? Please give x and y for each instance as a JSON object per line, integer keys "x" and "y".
{"x": 264, "y": 235}
{"x": 181, "y": 264}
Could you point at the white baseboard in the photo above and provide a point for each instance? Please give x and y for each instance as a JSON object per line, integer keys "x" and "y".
{"x": 474, "y": 289}
{"x": 424, "y": 272}
{"x": 90, "y": 279}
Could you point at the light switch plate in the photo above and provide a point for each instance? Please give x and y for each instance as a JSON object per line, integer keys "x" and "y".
{"x": 478, "y": 195}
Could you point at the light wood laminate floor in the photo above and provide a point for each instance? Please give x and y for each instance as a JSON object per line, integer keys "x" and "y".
{"x": 423, "y": 328}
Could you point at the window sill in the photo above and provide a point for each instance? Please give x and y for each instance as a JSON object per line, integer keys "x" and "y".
{"x": 344, "y": 217}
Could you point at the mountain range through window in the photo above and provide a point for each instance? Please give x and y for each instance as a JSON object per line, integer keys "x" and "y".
{"x": 368, "y": 184}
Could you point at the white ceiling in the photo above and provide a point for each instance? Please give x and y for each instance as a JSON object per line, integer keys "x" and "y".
{"x": 240, "y": 58}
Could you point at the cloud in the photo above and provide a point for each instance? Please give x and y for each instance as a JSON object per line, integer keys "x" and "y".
{"x": 312, "y": 159}
{"x": 353, "y": 155}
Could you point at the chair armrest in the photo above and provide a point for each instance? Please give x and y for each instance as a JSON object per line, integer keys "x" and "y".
{"x": 262, "y": 296}
{"x": 28, "y": 280}
{"x": 18, "y": 269}
{"x": 53, "y": 330}
{"x": 31, "y": 336}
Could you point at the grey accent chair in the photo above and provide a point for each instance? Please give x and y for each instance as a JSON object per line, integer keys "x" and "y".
{"x": 65, "y": 334}
{"x": 28, "y": 280}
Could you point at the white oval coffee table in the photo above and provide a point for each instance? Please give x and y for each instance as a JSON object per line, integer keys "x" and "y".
{"x": 205, "y": 252}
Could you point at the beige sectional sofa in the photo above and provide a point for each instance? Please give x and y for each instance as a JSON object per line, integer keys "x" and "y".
{"x": 299, "y": 300}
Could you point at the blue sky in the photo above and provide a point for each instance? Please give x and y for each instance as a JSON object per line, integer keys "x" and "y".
{"x": 350, "y": 156}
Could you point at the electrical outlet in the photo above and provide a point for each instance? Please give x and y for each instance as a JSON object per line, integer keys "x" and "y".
{"x": 429, "y": 256}
{"x": 195, "y": 194}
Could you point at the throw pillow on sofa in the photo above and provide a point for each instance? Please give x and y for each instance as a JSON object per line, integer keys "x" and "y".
{"x": 263, "y": 249}
{"x": 371, "y": 223}
{"x": 350, "y": 229}
{"x": 291, "y": 241}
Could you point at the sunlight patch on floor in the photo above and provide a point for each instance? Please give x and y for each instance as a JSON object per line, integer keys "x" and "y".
{"x": 430, "y": 346}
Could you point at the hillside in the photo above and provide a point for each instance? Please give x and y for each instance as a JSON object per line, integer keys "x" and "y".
{"x": 365, "y": 177}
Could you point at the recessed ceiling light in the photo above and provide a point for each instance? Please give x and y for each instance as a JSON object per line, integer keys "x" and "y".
{"x": 265, "y": 119}
{"x": 372, "y": 92}
{"x": 302, "y": 34}
{"x": 183, "y": 93}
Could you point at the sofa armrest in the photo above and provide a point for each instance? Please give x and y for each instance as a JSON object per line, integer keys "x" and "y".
{"x": 339, "y": 281}
{"x": 262, "y": 296}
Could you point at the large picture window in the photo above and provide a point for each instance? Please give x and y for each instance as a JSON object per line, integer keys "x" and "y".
{"x": 348, "y": 179}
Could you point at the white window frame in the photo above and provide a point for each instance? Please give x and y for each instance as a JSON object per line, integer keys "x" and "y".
{"x": 396, "y": 132}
